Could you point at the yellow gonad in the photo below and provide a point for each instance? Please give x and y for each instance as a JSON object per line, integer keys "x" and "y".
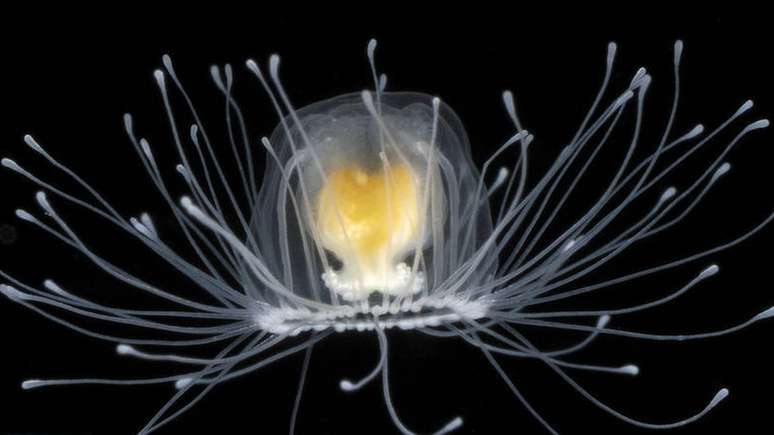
{"x": 369, "y": 220}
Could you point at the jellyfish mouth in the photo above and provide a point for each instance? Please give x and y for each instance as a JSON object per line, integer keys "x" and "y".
{"x": 399, "y": 280}
{"x": 423, "y": 312}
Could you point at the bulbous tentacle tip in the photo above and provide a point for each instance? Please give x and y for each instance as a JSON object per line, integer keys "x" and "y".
{"x": 453, "y": 425}
{"x": 274, "y": 62}
{"x": 186, "y": 202}
{"x": 31, "y": 383}
{"x": 11, "y": 293}
{"x": 32, "y": 143}
{"x": 159, "y": 76}
{"x": 709, "y": 271}
{"x": 765, "y": 314}
{"x": 124, "y": 349}
{"x": 747, "y": 105}
{"x": 24, "y": 215}
{"x": 695, "y": 131}
{"x": 668, "y": 194}
{"x": 182, "y": 383}
{"x": 722, "y": 170}
{"x": 757, "y": 125}
{"x": 678, "y": 51}
{"x": 631, "y": 369}
{"x": 42, "y": 199}
{"x": 166, "y": 59}
{"x": 346, "y": 385}
{"x": 10, "y": 164}
{"x": 722, "y": 394}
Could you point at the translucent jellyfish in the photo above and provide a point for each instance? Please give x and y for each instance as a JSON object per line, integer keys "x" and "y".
{"x": 372, "y": 215}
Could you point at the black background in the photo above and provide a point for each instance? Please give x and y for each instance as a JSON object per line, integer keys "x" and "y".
{"x": 68, "y": 78}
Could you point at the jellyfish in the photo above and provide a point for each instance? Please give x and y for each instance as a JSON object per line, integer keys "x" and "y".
{"x": 371, "y": 215}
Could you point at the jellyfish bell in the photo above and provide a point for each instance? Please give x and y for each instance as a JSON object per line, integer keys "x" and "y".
{"x": 366, "y": 197}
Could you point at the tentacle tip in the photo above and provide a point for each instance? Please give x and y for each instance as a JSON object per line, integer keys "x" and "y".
{"x": 761, "y": 123}
{"x": 668, "y": 193}
{"x": 8, "y": 163}
{"x": 678, "y": 51}
{"x": 453, "y": 425}
{"x": 186, "y": 202}
{"x": 31, "y": 383}
{"x": 24, "y": 215}
{"x": 612, "y": 47}
{"x": 765, "y": 314}
{"x": 166, "y": 59}
{"x": 711, "y": 270}
{"x": 182, "y": 383}
{"x": 159, "y": 76}
{"x": 747, "y": 105}
{"x": 124, "y": 349}
{"x": 626, "y": 96}
{"x": 40, "y": 196}
{"x": 368, "y": 99}
{"x": 50, "y": 285}
{"x": 11, "y": 293}
{"x": 631, "y": 369}
{"x": 722, "y": 394}
{"x": 346, "y": 385}
{"x": 722, "y": 170}
{"x": 695, "y": 131}
{"x": 31, "y": 142}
